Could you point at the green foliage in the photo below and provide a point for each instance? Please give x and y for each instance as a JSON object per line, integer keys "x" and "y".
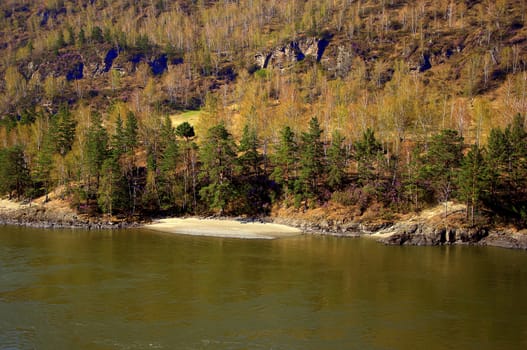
{"x": 81, "y": 40}
{"x": 168, "y": 165}
{"x": 130, "y": 132}
{"x": 367, "y": 153}
{"x": 63, "y": 130}
{"x": 97, "y": 146}
{"x": 112, "y": 196}
{"x": 507, "y": 163}
{"x": 312, "y": 166}
{"x": 118, "y": 140}
{"x": 472, "y": 180}
{"x": 97, "y": 35}
{"x": 15, "y": 179}
{"x": 185, "y": 130}
{"x": 336, "y": 162}
{"x": 249, "y": 159}
{"x": 218, "y": 158}
{"x": 43, "y": 166}
{"x": 441, "y": 163}
{"x": 285, "y": 160}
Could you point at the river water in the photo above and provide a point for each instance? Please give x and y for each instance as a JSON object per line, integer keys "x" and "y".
{"x": 137, "y": 289}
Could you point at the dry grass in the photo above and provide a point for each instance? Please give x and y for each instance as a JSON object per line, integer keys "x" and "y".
{"x": 191, "y": 117}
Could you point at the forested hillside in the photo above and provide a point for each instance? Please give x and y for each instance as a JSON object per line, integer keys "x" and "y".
{"x": 243, "y": 107}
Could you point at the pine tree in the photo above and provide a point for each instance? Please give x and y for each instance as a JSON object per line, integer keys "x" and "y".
{"x": 252, "y": 180}
{"x": 112, "y": 194}
{"x": 250, "y": 159}
{"x": 186, "y": 131}
{"x": 131, "y": 142}
{"x": 285, "y": 160}
{"x": 518, "y": 155}
{"x": 473, "y": 180}
{"x": 367, "y": 152}
{"x": 167, "y": 164}
{"x": 63, "y": 130}
{"x": 96, "y": 147}
{"x": 130, "y": 132}
{"x": 44, "y": 166}
{"x": 336, "y": 162}
{"x": 497, "y": 157}
{"x": 218, "y": 158}
{"x": 442, "y": 161}
{"x": 118, "y": 142}
{"x": 312, "y": 165}
{"x": 15, "y": 179}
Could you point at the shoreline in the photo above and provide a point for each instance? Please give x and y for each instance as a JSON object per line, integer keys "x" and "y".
{"x": 228, "y": 228}
{"x": 423, "y": 229}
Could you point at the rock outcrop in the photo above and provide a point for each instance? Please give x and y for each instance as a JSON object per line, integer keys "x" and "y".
{"x": 423, "y": 233}
{"x": 297, "y": 50}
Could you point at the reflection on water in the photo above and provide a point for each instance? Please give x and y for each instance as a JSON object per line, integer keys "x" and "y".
{"x": 136, "y": 289}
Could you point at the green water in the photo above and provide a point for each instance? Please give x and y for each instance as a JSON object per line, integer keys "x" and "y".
{"x": 137, "y": 289}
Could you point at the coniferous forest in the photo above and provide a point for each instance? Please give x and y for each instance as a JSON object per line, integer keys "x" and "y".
{"x": 145, "y": 108}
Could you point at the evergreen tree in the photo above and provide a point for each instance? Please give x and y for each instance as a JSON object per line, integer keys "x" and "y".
{"x": 131, "y": 142}
{"x": 250, "y": 159}
{"x": 497, "y": 157}
{"x": 44, "y": 166}
{"x": 518, "y": 155}
{"x": 367, "y": 152}
{"x": 63, "y": 131}
{"x": 442, "y": 161}
{"x": 336, "y": 162}
{"x": 96, "y": 147}
{"x": 112, "y": 194}
{"x": 252, "y": 181}
{"x": 167, "y": 164}
{"x": 285, "y": 160}
{"x": 118, "y": 141}
{"x": 312, "y": 165}
{"x": 97, "y": 35}
{"x": 186, "y": 131}
{"x": 218, "y": 158}
{"x": 14, "y": 173}
{"x": 507, "y": 159}
{"x": 473, "y": 180}
{"x": 130, "y": 132}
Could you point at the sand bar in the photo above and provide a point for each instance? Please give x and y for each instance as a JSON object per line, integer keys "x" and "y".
{"x": 224, "y": 228}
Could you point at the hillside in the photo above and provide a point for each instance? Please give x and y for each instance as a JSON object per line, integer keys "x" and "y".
{"x": 367, "y": 90}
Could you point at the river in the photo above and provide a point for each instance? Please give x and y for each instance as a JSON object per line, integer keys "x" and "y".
{"x": 137, "y": 289}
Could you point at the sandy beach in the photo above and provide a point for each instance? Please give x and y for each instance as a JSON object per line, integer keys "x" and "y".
{"x": 224, "y": 228}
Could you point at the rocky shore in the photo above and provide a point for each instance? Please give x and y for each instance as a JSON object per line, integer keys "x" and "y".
{"x": 429, "y": 228}
{"x": 51, "y": 215}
